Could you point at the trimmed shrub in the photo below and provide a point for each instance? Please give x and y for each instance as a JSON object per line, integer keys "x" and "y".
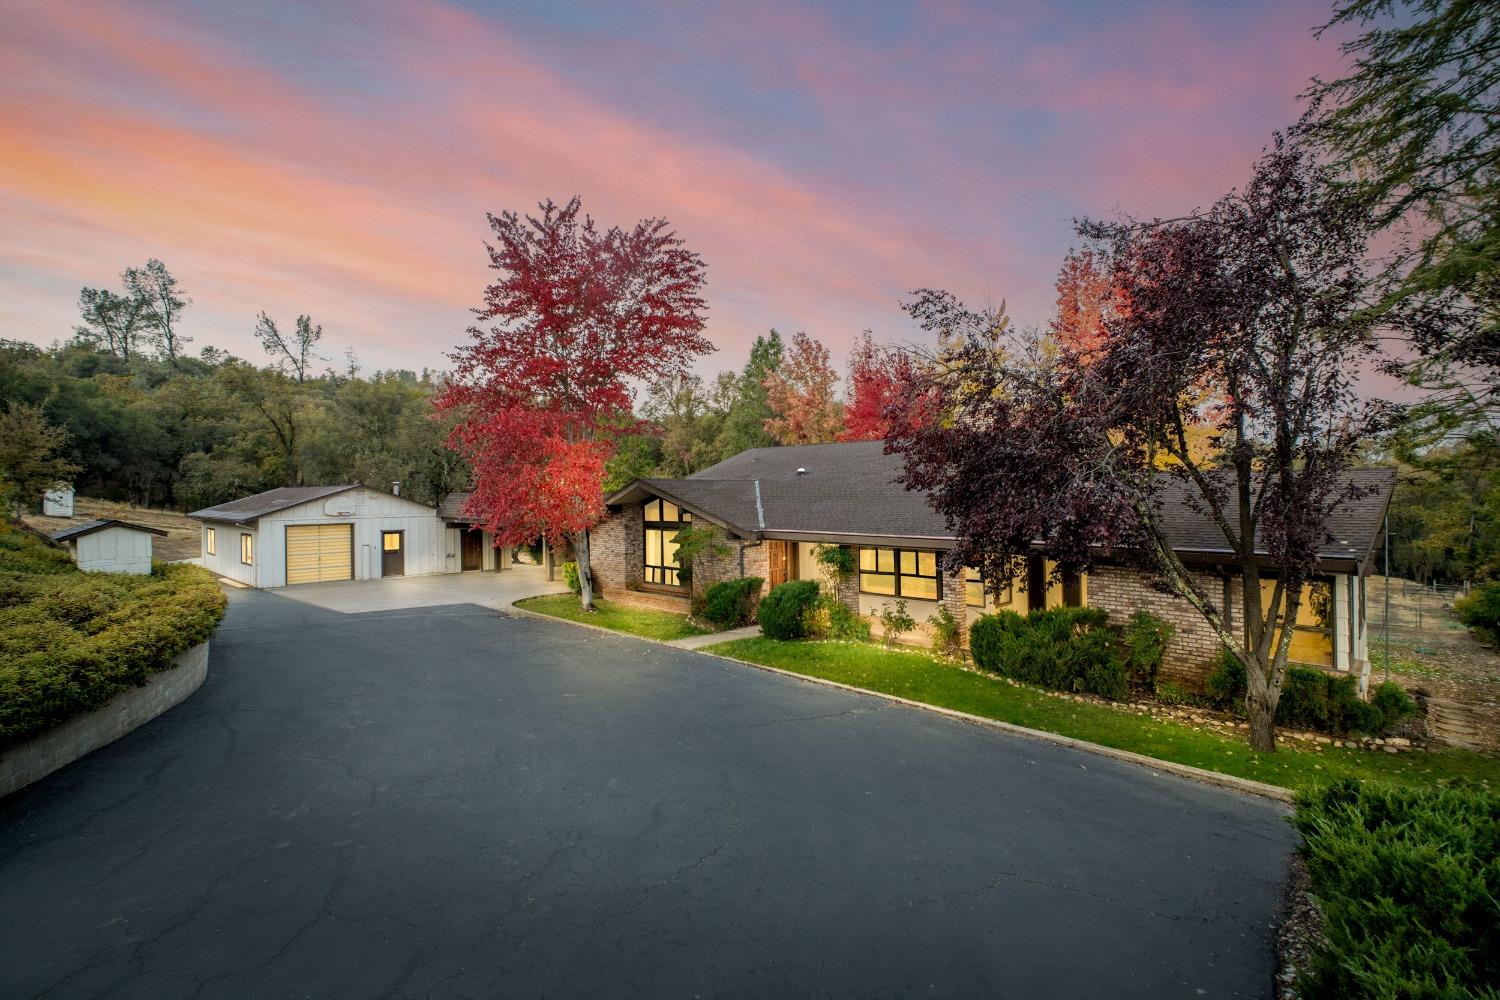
{"x": 1066, "y": 649}
{"x": 947, "y": 637}
{"x": 1144, "y": 639}
{"x": 70, "y": 641}
{"x": 570, "y": 577}
{"x": 830, "y": 618}
{"x": 1315, "y": 699}
{"x": 782, "y": 612}
{"x": 1409, "y": 887}
{"x": 1480, "y": 611}
{"x": 732, "y": 602}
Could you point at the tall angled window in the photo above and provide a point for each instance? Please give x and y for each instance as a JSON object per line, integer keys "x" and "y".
{"x": 663, "y": 520}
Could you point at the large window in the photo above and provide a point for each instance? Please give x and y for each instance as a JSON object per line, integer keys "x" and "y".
{"x": 247, "y": 549}
{"x": 663, "y": 521}
{"x": 974, "y": 590}
{"x": 210, "y": 542}
{"x": 899, "y": 573}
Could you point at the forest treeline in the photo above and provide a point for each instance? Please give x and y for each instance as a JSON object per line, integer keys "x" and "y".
{"x": 143, "y": 420}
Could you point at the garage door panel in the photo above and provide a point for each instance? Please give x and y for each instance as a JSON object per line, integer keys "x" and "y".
{"x": 316, "y": 553}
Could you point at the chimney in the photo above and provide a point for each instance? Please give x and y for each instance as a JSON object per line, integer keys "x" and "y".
{"x": 396, "y": 488}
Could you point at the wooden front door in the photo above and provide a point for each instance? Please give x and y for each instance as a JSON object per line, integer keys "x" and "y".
{"x": 1036, "y": 583}
{"x": 393, "y": 553}
{"x": 778, "y": 563}
{"x": 471, "y": 549}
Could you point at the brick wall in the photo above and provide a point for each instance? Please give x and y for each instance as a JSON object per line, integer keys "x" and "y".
{"x": 616, "y": 549}
{"x": 1190, "y": 655}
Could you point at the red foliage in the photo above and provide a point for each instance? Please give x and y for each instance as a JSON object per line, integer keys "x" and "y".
{"x": 543, "y": 390}
{"x": 1085, "y": 300}
{"x": 878, "y": 379}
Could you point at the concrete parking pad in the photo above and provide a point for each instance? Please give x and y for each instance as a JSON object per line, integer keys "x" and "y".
{"x": 488, "y": 590}
{"x": 447, "y": 802}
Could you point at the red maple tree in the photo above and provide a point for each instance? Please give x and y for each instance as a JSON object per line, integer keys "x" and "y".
{"x": 878, "y": 376}
{"x": 1085, "y": 300}
{"x": 543, "y": 392}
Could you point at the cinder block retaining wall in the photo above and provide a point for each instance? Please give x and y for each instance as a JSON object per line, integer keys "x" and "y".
{"x": 39, "y": 757}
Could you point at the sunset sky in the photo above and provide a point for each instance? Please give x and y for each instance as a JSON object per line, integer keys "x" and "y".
{"x": 824, "y": 159}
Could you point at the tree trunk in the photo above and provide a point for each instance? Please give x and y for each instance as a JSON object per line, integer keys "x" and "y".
{"x": 1263, "y": 694}
{"x": 580, "y": 542}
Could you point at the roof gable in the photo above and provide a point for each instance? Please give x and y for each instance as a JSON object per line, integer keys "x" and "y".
{"x": 100, "y": 524}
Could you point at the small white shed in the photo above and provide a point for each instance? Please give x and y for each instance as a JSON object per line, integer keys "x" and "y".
{"x": 58, "y": 501}
{"x": 109, "y": 546}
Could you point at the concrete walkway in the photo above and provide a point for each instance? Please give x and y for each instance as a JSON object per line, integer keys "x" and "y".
{"x": 699, "y": 641}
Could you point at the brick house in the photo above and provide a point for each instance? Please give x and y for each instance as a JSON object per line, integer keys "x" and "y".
{"x": 774, "y": 506}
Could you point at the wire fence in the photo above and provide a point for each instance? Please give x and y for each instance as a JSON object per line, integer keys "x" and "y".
{"x": 1412, "y": 609}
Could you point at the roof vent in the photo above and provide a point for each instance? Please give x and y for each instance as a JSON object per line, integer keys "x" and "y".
{"x": 801, "y": 471}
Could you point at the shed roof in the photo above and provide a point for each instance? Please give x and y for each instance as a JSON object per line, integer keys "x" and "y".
{"x": 99, "y": 524}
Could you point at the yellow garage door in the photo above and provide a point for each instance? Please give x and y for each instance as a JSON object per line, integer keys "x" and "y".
{"x": 318, "y": 552}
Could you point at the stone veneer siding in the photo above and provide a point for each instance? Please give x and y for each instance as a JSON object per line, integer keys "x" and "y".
{"x": 1190, "y": 655}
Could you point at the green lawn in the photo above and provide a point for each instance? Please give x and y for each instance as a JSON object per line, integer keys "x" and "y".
{"x": 922, "y": 678}
{"x": 646, "y": 622}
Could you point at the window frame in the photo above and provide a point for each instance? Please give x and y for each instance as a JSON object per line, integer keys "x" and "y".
{"x": 897, "y": 574}
{"x": 668, "y": 529}
{"x": 247, "y": 545}
{"x": 210, "y": 541}
{"x": 986, "y": 599}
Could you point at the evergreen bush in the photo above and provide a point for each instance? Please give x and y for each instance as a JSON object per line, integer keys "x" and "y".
{"x": 1408, "y": 882}
{"x": 732, "y": 602}
{"x": 70, "y": 641}
{"x": 782, "y": 612}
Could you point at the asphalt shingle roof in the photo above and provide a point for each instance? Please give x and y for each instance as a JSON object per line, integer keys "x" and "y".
{"x": 853, "y": 489}
{"x": 452, "y": 508}
{"x": 89, "y": 527}
{"x": 269, "y": 502}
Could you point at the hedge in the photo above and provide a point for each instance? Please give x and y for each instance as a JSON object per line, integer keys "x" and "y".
{"x": 1317, "y": 700}
{"x": 1408, "y": 881}
{"x": 1070, "y": 649}
{"x": 732, "y": 602}
{"x": 783, "y": 612}
{"x": 70, "y": 641}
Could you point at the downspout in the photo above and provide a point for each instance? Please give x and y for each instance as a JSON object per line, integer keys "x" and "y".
{"x": 760, "y": 521}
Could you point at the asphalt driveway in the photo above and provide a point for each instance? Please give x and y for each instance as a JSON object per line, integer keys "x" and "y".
{"x": 447, "y": 802}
